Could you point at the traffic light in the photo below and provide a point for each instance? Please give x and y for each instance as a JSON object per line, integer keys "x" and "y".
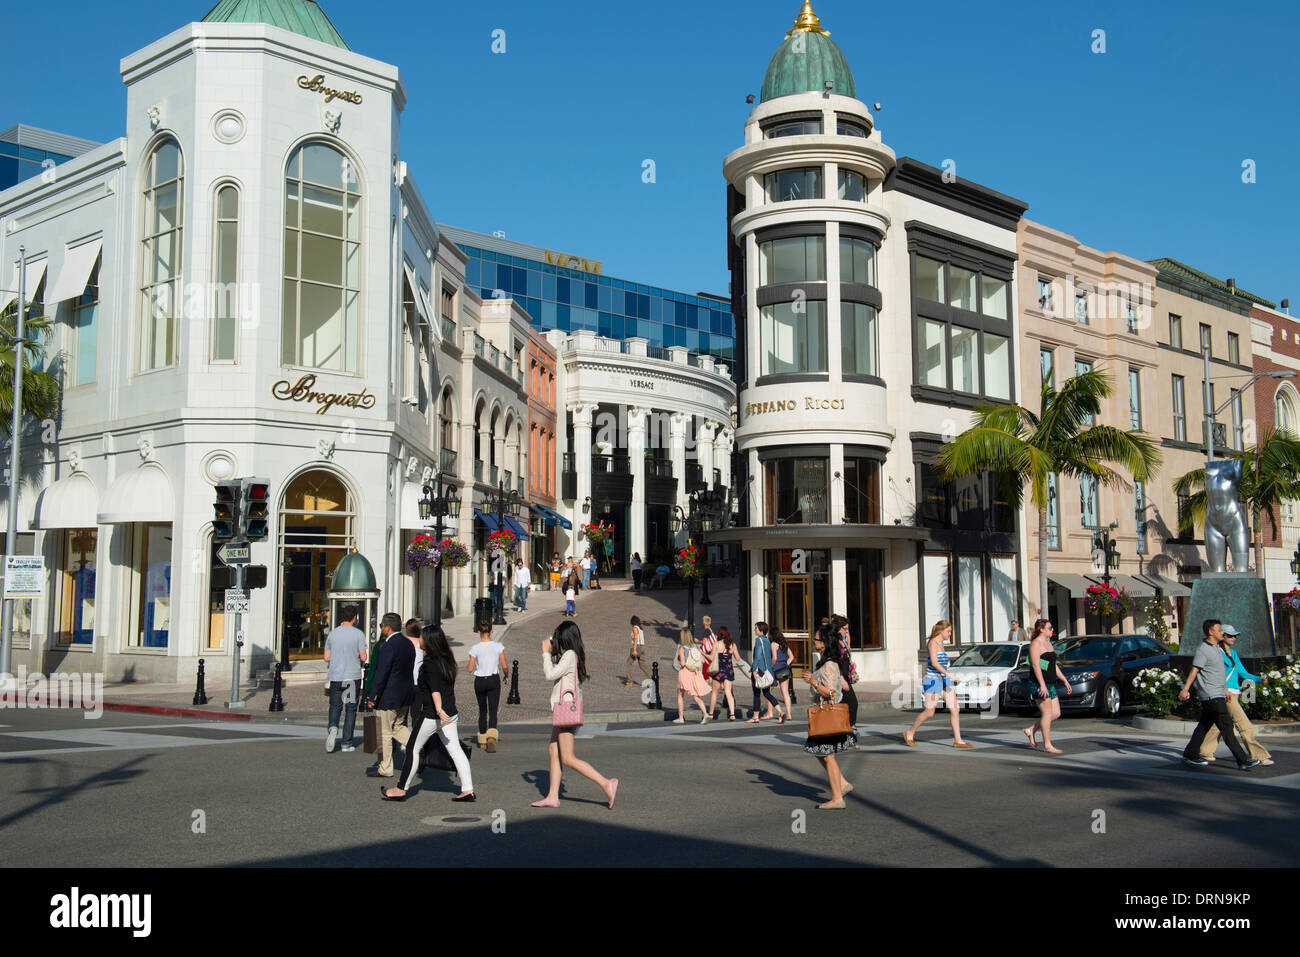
{"x": 254, "y": 576}
{"x": 224, "y": 576}
{"x": 225, "y": 518}
{"x": 255, "y": 510}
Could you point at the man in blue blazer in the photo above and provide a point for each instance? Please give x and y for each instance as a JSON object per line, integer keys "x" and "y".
{"x": 390, "y": 696}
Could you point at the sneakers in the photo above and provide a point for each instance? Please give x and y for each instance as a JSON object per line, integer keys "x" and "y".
{"x": 1251, "y": 765}
{"x": 330, "y": 739}
{"x": 679, "y": 720}
{"x": 348, "y": 747}
{"x": 1266, "y": 762}
{"x": 1198, "y": 762}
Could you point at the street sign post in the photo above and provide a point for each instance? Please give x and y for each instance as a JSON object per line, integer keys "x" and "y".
{"x": 236, "y": 601}
{"x": 235, "y": 553}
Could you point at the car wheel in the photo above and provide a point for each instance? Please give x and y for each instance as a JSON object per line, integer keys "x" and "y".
{"x": 1108, "y": 701}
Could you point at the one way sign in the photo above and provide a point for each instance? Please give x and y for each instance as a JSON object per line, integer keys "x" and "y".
{"x": 233, "y": 553}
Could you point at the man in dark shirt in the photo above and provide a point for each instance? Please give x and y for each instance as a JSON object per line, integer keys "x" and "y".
{"x": 390, "y": 696}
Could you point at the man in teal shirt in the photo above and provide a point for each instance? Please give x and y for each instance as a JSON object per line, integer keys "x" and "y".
{"x": 1236, "y": 672}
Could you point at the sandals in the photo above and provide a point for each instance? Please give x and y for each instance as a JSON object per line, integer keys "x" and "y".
{"x": 731, "y": 717}
{"x": 383, "y": 793}
{"x": 1033, "y": 743}
{"x": 754, "y": 720}
{"x": 908, "y": 739}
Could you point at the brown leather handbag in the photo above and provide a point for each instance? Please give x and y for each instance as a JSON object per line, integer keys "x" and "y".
{"x": 825, "y": 720}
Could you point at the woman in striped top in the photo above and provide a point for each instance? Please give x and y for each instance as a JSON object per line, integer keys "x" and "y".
{"x": 938, "y": 683}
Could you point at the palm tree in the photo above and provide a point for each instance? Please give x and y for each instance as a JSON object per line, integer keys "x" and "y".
{"x": 1023, "y": 449}
{"x": 42, "y": 389}
{"x": 1270, "y": 475}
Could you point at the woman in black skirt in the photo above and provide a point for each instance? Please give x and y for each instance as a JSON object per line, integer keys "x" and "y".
{"x": 827, "y": 683}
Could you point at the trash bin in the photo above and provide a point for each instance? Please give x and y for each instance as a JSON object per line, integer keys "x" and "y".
{"x": 483, "y": 610}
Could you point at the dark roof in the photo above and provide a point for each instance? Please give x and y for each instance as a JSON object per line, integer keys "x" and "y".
{"x": 1183, "y": 271}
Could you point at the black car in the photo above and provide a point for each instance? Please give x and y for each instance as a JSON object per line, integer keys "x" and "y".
{"x": 1100, "y": 669}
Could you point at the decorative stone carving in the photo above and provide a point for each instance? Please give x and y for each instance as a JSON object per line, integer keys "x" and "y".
{"x": 74, "y": 460}
{"x": 155, "y": 116}
{"x": 325, "y": 448}
{"x": 332, "y": 120}
{"x": 144, "y": 444}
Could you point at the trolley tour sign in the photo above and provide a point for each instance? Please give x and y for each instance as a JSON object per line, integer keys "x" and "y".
{"x": 24, "y": 576}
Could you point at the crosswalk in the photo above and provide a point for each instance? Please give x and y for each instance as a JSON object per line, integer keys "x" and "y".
{"x": 76, "y": 739}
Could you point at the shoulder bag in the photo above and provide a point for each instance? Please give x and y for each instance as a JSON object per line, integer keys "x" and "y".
{"x": 567, "y": 714}
{"x": 826, "y": 720}
{"x": 694, "y": 660}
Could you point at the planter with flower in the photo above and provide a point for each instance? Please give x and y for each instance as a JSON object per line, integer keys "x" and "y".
{"x": 503, "y": 541}
{"x": 1107, "y": 601}
{"x": 1291, "y": 600}
{"x": 1156, "y": 692}
{"x": 689, "y": 562}
{"x": 1278, "y": 697}
{"x": 425, "y": 551}
{"x": 596, "y": 532}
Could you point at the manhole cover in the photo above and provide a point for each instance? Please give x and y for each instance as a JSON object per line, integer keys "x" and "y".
{"x": 455, "y": 820}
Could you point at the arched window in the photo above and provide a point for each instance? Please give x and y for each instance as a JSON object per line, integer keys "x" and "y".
{"x": 322, "y": 261}
{"x": 1284, "y": 411}
{"x": 161, "y": 284}
{"x": 225, "y": 272}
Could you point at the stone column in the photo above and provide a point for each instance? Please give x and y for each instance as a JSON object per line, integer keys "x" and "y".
{"x": 582, "y": 462}
{"x": 722, "y": 456}
{"x": 677, "y": 452}
{"x": 704, "y": 449}
{"x": 636, "y": 422}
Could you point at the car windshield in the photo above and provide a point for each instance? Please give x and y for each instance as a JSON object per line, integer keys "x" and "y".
{"x": 1087, "y": 649}
{"x": 990, "y": 656}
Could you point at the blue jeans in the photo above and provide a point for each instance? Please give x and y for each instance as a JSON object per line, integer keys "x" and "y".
{"x": 586, "y": 577}
{"x": 521, "y": 597}
{"x": 337, "y": 706}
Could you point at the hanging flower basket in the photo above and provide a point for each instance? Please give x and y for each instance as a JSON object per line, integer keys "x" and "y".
{"x": 502, "y": 540}
{"x": 423, "y": 552}
{"x": 454, "y": 553}
{"x": 1107, "y": 601}
{"x": 689, "y": 562}
{"x": 1290, "y": 600}
{"x": 597, "y": 532}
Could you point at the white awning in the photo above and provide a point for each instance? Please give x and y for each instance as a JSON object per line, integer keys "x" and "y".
{"x": 34, "y": 272}
{"x": 409, "y": 512}
{"x": 141, "y": 495}
{"x": 77, "y": 266}
{"x": 70, "y": 502}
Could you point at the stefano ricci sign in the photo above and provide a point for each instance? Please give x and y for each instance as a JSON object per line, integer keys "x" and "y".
{"x": 304, "y": 390}
{"x": 316, "y": 84}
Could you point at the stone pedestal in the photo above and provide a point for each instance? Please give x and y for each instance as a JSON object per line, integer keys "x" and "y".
{"x": 1235, "y": 599}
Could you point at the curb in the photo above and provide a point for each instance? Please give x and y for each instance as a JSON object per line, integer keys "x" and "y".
{"x": 1142, "y": 722}
{"x": 172, "y": 712}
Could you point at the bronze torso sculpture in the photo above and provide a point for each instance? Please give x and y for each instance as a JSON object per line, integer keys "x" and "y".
{"x": 1225, "y": 522}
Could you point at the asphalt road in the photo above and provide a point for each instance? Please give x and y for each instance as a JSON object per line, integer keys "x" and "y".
{"x": 126, "y": 790}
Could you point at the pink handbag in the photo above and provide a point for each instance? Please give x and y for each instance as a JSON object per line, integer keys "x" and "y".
{"x": 567, "y": 714}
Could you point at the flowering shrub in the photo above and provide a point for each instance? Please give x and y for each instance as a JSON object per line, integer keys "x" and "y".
{"x": 689, "y": 562}
{"x": 597, "y": 532}
{"x": 1290, "y": 600}
{"x": 1156, "y": 691}
{"x": 502, "y": 540}
{"x": 1108, "y": 601}
{"x": 1278, "y": 696}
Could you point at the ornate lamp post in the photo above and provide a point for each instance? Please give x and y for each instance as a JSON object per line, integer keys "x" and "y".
{"x": 1109, "y": 552}
{"x": 502, "y": 503}
{"x": 700, "y": 517}
{"x": 439, "y": 500}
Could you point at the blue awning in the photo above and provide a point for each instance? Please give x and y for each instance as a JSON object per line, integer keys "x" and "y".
{"x": 555, "y": 518}
{"x": 512, "y": 524}
{"x": 489, "y": 520}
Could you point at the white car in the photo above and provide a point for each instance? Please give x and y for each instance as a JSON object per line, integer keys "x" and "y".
{"x": 983, "y": 671}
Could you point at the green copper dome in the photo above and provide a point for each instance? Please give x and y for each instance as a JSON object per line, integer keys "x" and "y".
{"x": 806, "y": 60}
{"x": 304, "y": 17}
{"x": 354, "y": 574}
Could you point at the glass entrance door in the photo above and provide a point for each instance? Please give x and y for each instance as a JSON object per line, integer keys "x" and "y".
{"x": 316, "y": 531}
{"x": 794, "y": 615}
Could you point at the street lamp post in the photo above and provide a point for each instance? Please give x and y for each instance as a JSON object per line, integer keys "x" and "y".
{"x": 439, "y": 501}
{"x": 15, "y": 443}
{"x": 1210, "y": 416}
{"x": 502, "y": 503}
{"x": 699, "y": 518}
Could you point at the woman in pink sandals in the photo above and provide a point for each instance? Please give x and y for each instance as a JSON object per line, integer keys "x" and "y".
{"x": 565, "y": 663}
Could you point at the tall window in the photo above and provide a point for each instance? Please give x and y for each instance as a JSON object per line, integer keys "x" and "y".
{"x": 858, "y": 343}
{"x": 1081, "y": 307}
{"x": 795, "y": 259}
{"x": 1180, "y": 410}
{"x": 76, "y": 587}
{"x": 1134, "y": 400}
{"x": 151, "y": 551}
{"x": 410, "y": 345}
{"x": 796, "y": 491}
{"x": 862, "y": 491}
{"x": 1045, "y": 301}
{"x": 1205, "y": 340}
{"x": 80, "y": 367}
{"x": 225, "y": 269}
{"x": 1139, "y": 514}
{"x": 792, "y": 184}
{"x": 1080, "y": 367}
{"x": 792, "y": 337}
{"x": 1047, "y": 366}
{"x": 1088, "y": 504}
{"x": 1238, "y": 434}
{"x": 161, "y": 286}
{"x": 1053, "y": 511}
{"x": 1131, "y": 319}
{"x": 1284, "y": 412}
{"x": 322, "y": 261}
{"x": 857, "y": 261}
{"x": 1234, "y": 348}
{"x": 852, "y": 186}
{"x": 1175, "y": 331}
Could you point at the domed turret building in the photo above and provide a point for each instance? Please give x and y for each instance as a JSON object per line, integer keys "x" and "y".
{"x": 873, "y": 301}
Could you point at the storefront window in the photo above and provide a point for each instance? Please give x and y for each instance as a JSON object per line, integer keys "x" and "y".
{"x": 864, "y": 605}
{"x": 862, "y": 491}
{"x": 151, "y": 550}
{"x": 796, "y": 491}
{"x": 76, "y": 587}
{"x": 936, "y": 569}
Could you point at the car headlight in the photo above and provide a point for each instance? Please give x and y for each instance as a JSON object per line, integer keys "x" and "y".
{"x": 1085, "y": 676}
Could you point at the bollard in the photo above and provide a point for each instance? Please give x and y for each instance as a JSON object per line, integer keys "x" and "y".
{"x": 277, "y": 699}
{"x": 200, "y": 695}
{"x": 656, "y": 703}
{"x": 513, "y": 696}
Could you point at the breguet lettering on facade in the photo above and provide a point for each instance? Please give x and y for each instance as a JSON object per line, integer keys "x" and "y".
{"x": 317, "y": 85}
{"x": 303, "y": 391}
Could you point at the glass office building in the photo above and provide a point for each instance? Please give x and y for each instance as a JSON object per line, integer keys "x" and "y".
{"x": 26, "y": 151}
{"x": 569, "y": 293}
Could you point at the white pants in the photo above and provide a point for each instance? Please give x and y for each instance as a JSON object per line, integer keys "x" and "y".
{"x": 421, "y": 733}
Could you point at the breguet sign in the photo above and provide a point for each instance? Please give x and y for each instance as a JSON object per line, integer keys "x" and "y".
{"x": 316, "y": 84}
{"x": 304, "y": 390}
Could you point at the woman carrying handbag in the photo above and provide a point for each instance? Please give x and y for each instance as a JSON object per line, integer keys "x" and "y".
{"x": 761, "y": 674}
{"x": 783, "y": 660}
{"x": 825, "y": 682}
{"x": 690, "y": 677}
{"x": 565, "y": 663}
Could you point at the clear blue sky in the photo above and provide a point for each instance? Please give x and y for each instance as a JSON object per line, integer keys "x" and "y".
{"x": 1138, "y": 149}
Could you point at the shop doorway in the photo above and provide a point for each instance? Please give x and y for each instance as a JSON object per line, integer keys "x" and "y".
{"x": 794, "y": 614}
{"x": 316, "y": 529}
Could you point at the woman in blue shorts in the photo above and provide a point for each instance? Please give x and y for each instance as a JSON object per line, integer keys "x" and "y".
{"x": 938, "y": 682}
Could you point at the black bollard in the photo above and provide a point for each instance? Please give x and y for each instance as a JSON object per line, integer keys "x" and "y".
{"x": 277, "y": 699}
{"x": 200, "y": 695}
{"x": 513, "y": 696}
{"x": 656, "y": 703}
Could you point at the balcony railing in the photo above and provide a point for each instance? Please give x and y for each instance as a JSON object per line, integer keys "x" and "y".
{"x": 447, "y": 461}
{"x": 659, "y": 468}
{"x": 615, "y": 464}
{"x": 479, "y": 344}
{"x": 448, "y": 329}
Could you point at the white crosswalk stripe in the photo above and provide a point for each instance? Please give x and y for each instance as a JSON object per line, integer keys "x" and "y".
{"x": 136, "y": 737}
